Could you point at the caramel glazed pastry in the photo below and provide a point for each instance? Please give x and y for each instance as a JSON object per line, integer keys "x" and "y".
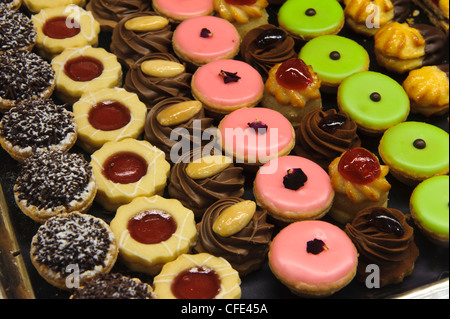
{"x": 16, "y": 30}
{"x": 237, "y": 230}
{"x": 54, "y": 182}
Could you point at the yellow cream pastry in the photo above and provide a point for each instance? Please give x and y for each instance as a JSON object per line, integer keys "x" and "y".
{"x": 34, "y": 6}
{"x": 152, "y": 231}
{"x": 109, "y": 114}
{"x": 63, "y": 27}
{"x": 128, "y": 169}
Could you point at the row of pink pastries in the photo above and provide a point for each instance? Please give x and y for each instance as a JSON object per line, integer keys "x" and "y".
{"x": 126, "y": 167}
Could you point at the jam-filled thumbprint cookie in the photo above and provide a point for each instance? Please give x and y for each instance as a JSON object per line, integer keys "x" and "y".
{"x": 73, "y": 243}
{"x": 34, "y": 6}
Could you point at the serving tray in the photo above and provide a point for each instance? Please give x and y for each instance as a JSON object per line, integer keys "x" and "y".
{"x": 19, "y": 279}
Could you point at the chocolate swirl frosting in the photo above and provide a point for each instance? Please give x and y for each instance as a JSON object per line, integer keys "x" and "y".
{"x": 129, "y": 46}
{"x": 263, "y": 55}
{"x": 163, "y": 136}
{"x": 247, "y": 249}
{"x": 325, "y": 135}
{"x": 199, "y": 194}
{"x": 110, "y": 12}
{"x": 151, "y": 89}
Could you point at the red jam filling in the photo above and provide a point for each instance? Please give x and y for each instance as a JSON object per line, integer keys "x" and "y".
{"x": 152, "y": 226}
{"x": 294, "y": 74}
{"x": 83, "y": 68}
{"x": 109, "y": 115}
{"x": 58, "y": 28}
{"x": 196, "y": 283}
{"x": 241, "y": 2}
{"x": 359, "y": 166}
{"x": 125, "y": 167}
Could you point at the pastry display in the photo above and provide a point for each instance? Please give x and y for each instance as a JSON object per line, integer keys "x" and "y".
{"x": 292, "y": 188}
{"x": 359, "y": 181}
{"x": 156, "y": 77}
{"x": 58, "y": 28}
{"x": 265, "y": 46}
{"x": 198, "y": 276}
{"x": 24, "y": 75}
{"x": 176, "y": 124}
{"x": 430, "y": 210}
{"x": 334, "y": 58}
{"x": 152, "y": 231}
{"x": 85, "y": 69}
{"x": 415, "y": 151}
{"x": 108, "y": 114}
{"x": 180, "y": 10}
{"x": 36, "y": 125}
{"x": 237, "y": 230}
{"x": 254, "y": 136}
{"x": 109, "y": 12}
{"x": 16, "y": 30}
{"x": 202, "y": 177}
{"x": 324, "y": 135}
{"x": 127, "y": 169}
{"x": 375, "y": 101}
{"x": 305, "y": 20}
{"x": 428, "y": 90}
{"x": 245, "y": 15}
{"x": 114, "y": 286}
{"x": 226, "y": 85}
{"x": 205, "y": 39}
{"x": 383, "y": 238}
{"x": 437, "y": 11}
{"x": 51, "y": 183}
{"x": 365, "y": 17}
{"x": 293, "y": 89}
{"x": 70, "y": 243}
{"x": 313, "y": 258}
{"x": 139, "y": 34}
{"x": 400, "y": 47}
{"x": 34, "y": 6}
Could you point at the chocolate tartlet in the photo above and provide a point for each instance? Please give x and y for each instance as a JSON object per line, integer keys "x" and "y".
{"x": 24, "y": 75}
{"x": 139, "y": 34}
{"x": 36, "y": 125}
{"x": 324, "y": 135}
{"x": 246, "y": 249}
{"x": 11, "y": 4}
{"x": 383, "y": 238}
{"x": 71, "y": 249}
{"x": 16, "y": 30}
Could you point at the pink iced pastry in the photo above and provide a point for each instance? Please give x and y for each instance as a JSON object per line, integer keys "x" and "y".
{"x": 256, "y": 135}
{"x": 293, "y": 188}
{"x": 205, "y": 39}
{"x": 227, "y": 85}
{"x": 179, "y": 10}
{"x": 313, "y": 258}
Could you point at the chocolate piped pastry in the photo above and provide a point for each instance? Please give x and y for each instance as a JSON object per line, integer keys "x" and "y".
{"x": 437, "y": 11}
{"x": 244, "y": 242}
{"x": 156, "y": 77}
{"x": 109, "y": 12}
{"x": 139, "y": 34}
{"x": 73, "y": 245}
{"x": 114, "y": 286}
{"x": 265, "y": 46}
{"x": 36, "y": 125}
{"x": 324, "y": 135}
{"x": 366, "y": 16}
{"x": 16, "y": 30}
{"x": 176, "y": 120}
{"x": 24, "y": 75}
{"x": 51, "y": 183}
{"x": 198, "y": 180}
{"x": 401, "y": 47}
{"x": 383, "y": 238}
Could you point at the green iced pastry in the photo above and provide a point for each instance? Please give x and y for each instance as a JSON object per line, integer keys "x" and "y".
{"x": 415, "y": 151}
{"x": 374, "y": 101}
{"x": 334, "y": 58}
{"x": 307, "y": 19}
{"x": 429, "y": 205}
